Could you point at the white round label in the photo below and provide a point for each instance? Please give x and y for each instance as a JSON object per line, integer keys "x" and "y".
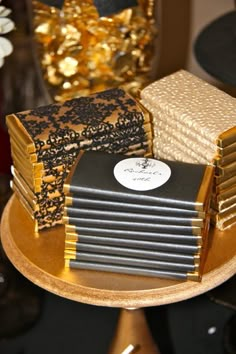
{"x": 141, "y": 173}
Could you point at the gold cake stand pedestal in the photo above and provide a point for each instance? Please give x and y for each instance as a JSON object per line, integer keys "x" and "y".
{"x": 40, "y": 258}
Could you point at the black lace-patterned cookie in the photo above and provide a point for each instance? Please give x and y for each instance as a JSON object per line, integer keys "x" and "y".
{"x": 46, "y": 141}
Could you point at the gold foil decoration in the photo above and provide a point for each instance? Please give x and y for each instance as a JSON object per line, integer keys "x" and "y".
{"x": 81, "y": 53}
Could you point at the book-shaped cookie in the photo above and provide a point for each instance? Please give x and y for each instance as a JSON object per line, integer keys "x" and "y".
{"x": 54, "y": 127}
{"x": 188, "y": 187}
{"x": 124, "y": 269}
{"x": 135, "y": 226}
{"x": 74, "y": 232}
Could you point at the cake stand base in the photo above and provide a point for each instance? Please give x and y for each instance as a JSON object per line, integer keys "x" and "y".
{"x": 40, "y": 258}
{"x": 132, "y": 334}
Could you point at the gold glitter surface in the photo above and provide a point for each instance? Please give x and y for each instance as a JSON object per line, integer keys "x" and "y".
{"x": 81, "y": 53}
{"x": 163, "y": 122}
{"x": 195, "y": 104}
{"x": 169, "y": 132}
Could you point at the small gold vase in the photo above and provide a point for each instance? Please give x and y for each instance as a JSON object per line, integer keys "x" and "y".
{"x": 81, "y": 52}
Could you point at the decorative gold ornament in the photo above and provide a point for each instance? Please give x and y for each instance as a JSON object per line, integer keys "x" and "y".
{"x": 81, "y": 53}
{"x": 6, "y": 26}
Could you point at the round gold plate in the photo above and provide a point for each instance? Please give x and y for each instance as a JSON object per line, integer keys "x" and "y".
{"x": 40, "y": 258}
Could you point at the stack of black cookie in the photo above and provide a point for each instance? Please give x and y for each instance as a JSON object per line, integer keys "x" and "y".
{"x": 137, "y": 215}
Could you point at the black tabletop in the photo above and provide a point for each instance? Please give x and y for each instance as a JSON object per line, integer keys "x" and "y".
{"x": 215, "y": 48}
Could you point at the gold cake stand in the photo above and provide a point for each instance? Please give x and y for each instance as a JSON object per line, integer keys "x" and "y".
{"x": 40, "y": 258}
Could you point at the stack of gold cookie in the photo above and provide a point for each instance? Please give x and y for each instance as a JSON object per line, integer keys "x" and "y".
{"x": 195, "y": 122}
{"x": 46, "y": 141}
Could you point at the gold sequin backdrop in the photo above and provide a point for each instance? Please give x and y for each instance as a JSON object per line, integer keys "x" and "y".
{"x": 81, "y": 53}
